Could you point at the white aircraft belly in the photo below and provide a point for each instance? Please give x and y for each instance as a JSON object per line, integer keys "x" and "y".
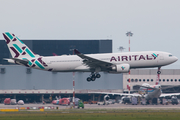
{"x": 63, "y": 66}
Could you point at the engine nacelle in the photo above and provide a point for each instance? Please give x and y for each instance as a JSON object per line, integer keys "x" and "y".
{"x": 106, "y": 97}
{"x": 121, "y": 68}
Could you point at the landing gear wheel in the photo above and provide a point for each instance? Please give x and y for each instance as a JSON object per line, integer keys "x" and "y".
{"x": 93, "y": 78}
{"x": 88, "y": 79}
{"x": 98, "y": 75}
{"x": 158, "y": 72}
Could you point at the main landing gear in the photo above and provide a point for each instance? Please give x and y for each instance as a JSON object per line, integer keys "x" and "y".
{"x": 158, "y": 75}
{"x": 93, "y": 76}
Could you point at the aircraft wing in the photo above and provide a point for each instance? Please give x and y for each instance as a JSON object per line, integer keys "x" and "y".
{"x": 169, "y": 86}
{"x": 121, "y": 94}
{"x": 126, "y": 94}
{"x": 92, "y": 62}
{"x": 170, "y": 94}
{"x": 146, "y": 87}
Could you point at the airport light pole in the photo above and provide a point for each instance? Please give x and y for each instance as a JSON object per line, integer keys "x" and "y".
{"x": 73, "y": 89}
{"x": 129, "y": 34}
{"x": 73, "y": 84}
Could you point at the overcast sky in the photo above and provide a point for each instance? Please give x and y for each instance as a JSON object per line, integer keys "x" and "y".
{"x": 155, "y": 23}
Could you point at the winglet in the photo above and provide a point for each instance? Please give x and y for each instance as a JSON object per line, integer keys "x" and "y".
{"x": 76, "y": 52}
{"x": 54, "y": 54}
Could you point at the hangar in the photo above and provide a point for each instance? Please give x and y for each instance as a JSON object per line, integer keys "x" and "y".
{"x": 18, "y": 80}
{"x": 34, "y": 85}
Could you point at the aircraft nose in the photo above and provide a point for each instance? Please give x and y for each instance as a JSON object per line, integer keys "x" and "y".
{"x": 175, "y": 58}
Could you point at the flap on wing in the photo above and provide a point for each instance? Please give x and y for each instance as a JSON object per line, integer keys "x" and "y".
{"x": 169, "y": 86}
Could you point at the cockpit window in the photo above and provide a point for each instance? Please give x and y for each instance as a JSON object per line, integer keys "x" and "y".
{"x": 170, "y": 55}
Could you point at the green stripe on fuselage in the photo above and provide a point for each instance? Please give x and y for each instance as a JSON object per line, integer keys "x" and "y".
{"x": 9, "y": 35}
{"x": 17, "y": 47}
{"x": 29, "y": 52}
{"x": 39, "y": 65}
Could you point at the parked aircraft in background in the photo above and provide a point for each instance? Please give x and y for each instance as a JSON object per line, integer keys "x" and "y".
{"x": 147, "y": 91}
{"x": 105, "y": 101}
{"x": 94, "y": 63}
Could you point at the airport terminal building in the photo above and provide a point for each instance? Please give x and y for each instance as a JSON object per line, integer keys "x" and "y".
{"x": 32, "y": 85}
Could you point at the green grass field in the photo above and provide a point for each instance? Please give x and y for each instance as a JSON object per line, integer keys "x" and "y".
{"x": 93, "y": 115}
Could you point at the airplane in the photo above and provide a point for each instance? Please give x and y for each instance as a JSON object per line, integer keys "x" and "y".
{"x": 105, "y": 101}
{"x": 147, "y": 91}
{"x": 94, "y": 63}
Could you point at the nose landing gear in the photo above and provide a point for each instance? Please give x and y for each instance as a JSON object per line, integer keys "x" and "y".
{"x": 93, "y": 76}
{"x": 158, "y": 75}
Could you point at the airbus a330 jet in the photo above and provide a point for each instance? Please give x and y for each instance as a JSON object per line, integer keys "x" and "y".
{"x": 94, "y": 63}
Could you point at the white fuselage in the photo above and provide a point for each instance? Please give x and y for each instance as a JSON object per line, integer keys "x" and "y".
{"x": 150, "y": 93}
{"x": 69, "y": 63}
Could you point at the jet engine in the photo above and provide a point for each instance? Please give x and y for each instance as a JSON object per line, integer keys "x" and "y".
{"x": 106, "y": 98}
{"x": 121, "y": 68}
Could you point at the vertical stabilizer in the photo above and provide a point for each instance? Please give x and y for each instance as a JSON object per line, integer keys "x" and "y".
{"x": 17, "y": 48}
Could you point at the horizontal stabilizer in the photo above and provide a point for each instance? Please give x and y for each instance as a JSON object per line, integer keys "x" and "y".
{"x": 24, "y": 62}
{"x": 18, "y": 61}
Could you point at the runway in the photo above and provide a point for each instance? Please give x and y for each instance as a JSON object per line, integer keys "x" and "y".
{"x": 89, "y": 106}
